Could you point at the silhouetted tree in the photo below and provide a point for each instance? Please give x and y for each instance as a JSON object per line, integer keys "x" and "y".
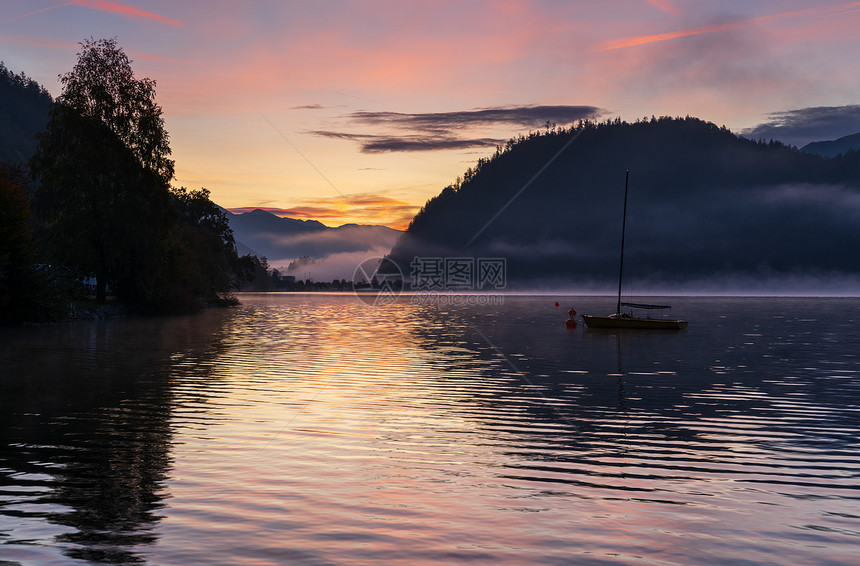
{"x": 253, "y": 274}
{"x": 28, "y": 292}
{"x": 16, "y": 251}
{"x": 203, "y": 263}
{"x": 104, "y": 171}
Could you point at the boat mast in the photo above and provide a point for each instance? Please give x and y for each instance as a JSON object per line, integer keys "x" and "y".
{"x": 623, "y": 228}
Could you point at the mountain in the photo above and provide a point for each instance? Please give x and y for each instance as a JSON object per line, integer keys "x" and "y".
{"x": 264, "y": 232}
{"x": 704, "y": 205}
{"x": 24, "y": 108}
{"x": 834, "y": 147}
{"x": 281, "y": 240}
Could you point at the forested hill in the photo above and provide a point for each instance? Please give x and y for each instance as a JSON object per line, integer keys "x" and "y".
{"x": 24, "y": 107}
{"x": 703, "y": 203}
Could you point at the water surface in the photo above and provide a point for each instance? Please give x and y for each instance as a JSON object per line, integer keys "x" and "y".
{"x": 315, "y": 429}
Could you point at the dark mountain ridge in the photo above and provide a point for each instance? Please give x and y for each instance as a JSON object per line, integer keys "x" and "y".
{"x": 259, "y": 221}
{"x": 284, "y": 239}
{"x": 835, "y": 147}
{"x": 24, "y": 107}
{"x": 704, "y": 202}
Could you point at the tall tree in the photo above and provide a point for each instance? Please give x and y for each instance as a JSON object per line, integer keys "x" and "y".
{"x": 104, "y": 171}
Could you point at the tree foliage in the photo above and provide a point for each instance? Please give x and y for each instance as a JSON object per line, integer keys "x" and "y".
{"x": 202, "y": 260}
{"x": 104, "y": 173}
{"x": 27, "y": 292}
{"x": 102, "y": 86}
{"x": 104, "y": 199}
{"x": 16, "y": 250}
{"x": 255, "y": 274}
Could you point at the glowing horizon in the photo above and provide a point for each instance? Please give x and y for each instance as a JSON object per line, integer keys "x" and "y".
{"x": 328, "y": 216}
{"x": 361, "y": 114}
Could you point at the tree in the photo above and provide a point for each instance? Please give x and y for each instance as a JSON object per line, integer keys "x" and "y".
{"x": 203, "y": 263}
{"x": 102, "y": 86}
{"x": 253, "y": 273}
{"x": 27, "y": 291}
{"x": 104, "y": 172}
{"x": 16, "y": 250}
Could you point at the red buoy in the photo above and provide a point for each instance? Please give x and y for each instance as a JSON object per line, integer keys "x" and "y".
{"x": 570, "y": 323}
{"x": 556, "y": 304}
{"x": 572, "y": 312}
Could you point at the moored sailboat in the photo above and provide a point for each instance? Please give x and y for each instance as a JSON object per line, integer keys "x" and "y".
{"x": 621, "y": 319}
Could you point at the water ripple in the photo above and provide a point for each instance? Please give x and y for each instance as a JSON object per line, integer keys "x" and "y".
{"x": 313, "y": 429}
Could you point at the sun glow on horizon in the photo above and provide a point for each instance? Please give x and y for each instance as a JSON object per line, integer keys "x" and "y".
{"x": 395, "y": 102}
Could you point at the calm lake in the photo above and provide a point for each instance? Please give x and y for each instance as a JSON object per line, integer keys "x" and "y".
{"x": 315, "y": 429}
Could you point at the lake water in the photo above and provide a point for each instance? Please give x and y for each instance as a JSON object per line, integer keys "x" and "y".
{"x": 315, "y": 429}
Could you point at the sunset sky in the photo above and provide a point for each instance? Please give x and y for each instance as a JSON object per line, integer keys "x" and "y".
{"x": 361, "y": 111}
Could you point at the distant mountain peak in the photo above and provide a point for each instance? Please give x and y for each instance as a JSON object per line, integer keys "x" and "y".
{"x": 263, "y": 215}
{"x": 282, "y": 239}
{"x": 835, "y": 147}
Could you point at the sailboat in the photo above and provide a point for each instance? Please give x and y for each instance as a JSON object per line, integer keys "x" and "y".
{"x": 622, "y": 319}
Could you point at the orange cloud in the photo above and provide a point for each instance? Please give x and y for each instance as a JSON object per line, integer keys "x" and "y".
{"x": 643, "y": 39}
{"x": 365, "y": 208}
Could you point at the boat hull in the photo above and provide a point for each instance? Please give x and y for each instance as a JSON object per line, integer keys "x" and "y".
{"x": 593, "y": 321}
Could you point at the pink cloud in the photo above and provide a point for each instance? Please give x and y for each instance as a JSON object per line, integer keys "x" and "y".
{"x": 106, "y": 6}
{"x": 664, "y": 6}
{"x": 126, "y": 10}
{"x": 362, "y": 52}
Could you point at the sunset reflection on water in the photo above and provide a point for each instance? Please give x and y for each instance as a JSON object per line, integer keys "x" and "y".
{"x": 317, "y": 429}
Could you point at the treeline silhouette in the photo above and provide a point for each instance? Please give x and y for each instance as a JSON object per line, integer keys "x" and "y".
{"x": 703, "y": 202}
{"x": 24, "y": 107}
{"x": 88, "y": 215}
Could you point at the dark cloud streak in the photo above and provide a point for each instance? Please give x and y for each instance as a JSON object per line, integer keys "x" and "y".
{"x": 431, "y": 131}
{"x": 420, "y": 143}
{"x": 382, "y": 144}
{"x": 530, "y": 116}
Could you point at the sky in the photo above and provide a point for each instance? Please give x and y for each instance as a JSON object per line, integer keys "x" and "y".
{"x": 361, "y": 111}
